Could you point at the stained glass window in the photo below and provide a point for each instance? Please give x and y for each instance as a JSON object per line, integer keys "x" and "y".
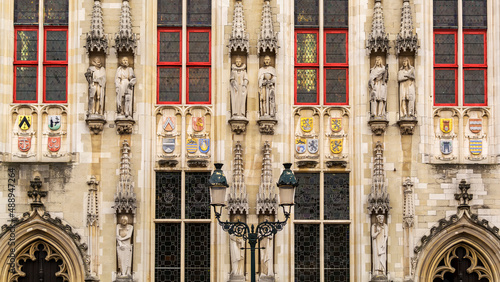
{"x": 336, "y": 196}
{"x": 170, "y": 48}
{"x": 25, "y": 86}
{"x": 445, "y": 86}
{"x": 336, "y": 86}
{"x": 199, "y": 85}
{"x": 197, "y": 195}
{"x": 474, "y": 13}
{"x": 168, "y": 252}
{"x": 337, "y": 252}
{"x": 444, "y": 48}
{"x": 307, "y": 252}
{"x": 445, "y": 13}
{"x": 197, "y": 258}
{"x": 168, "y": 195}
{"x": 55, "y": 84}
{"x": 55, "y": 45}
{"x": 307, "y": 196}
{"x": 307, "y": 86}
{"x": 25, "y": 12}
{"x": 474, "y": 49}
{"x": 199, "y": 47}
{"x": 307, "y": 44}
{"x": 169, "y": 84}
{"x": 474, "y": 87}
{"x": 336, "y": 14}
{"x": 26, "y": 45}
{"x": 169, "y": 12}
{"x": 336, "y": 48}
{"x": 306, "y": 13}
{"x": 56, "y": 12}
{"x": 199, "y": 12}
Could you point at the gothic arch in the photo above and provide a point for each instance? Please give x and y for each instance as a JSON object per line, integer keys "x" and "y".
{"x": 34, "y": 229}
{"x": 467, "y": 231}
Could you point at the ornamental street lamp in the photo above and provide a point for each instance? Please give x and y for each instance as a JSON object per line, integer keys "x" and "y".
{"x": 286, "y": 184}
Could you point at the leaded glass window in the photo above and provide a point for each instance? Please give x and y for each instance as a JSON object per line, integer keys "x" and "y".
{"x": 199, "y": 47}
{"x": 55, "y": 84}
{"x": 307, "y": 196}
{"x": 306, "y": 13}
{"x": 306, "y": 252}
{"x": 56, "y": 12}
{"x": 199, "y": 12}
{"x": 25, "y": 86}
{"x": 26, "y": 45}
{"x": 445, "y": 48}
{"x": 307, "y": 86}
{"x": 25, "y": 12}
{"x": 336, "y": 194}
{"x": 169, "y": 84}
{"x": 336, "y": 13}
{"x": 336, "y": 86}
{"x": 168, "y": 252}
{"x": 445, "y": 13}
{"x": 474, "y": 13}
{"x": 199, "y": 85}
{"x": 197, "y": 256}
{"x": 445, "y": 86}
{"x": 169, "y": 12}
{"x": 168, "y": 195}
{"x": 474, "y": 86}
{"x": 197, "y": 195}
{"x": 337, "y": 252}
{"x": 307, "y": 48}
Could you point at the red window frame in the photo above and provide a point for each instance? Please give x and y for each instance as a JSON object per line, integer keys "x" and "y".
{"x": 161, "y": 64}
{"x": 307, "y": 65}
{"x": 20, "y": 63}
{"x": 47, "y": 63}
{"x": 482, "y": 66}
{"x": 344, "y": 66}
{"x": 453, "y": 66}
{"x": 199, "y": 64}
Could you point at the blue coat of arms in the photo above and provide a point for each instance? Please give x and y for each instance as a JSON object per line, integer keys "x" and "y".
{"x": 204, "y": 145}
{"x": 168, "y": 145}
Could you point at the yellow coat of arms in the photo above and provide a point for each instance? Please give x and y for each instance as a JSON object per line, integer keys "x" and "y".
{"x": 336, "y": 145}
{"x": 306, "y": 124}
{"x": 24, "y": 122}
{"x": 446, "y": 125}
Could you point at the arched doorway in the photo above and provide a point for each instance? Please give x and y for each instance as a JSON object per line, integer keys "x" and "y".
{"x": 39, "y": 261}
{"x": 462, "y": 263}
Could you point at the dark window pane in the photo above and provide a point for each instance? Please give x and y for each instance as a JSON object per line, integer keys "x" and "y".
{"x": 474, "y": 13}
{"x": 474, "y": 49}
{"x": 169, "y": 84}
{"x": 199, "y": 85}
{"x": 199, "y": 47}
{"x": 307, "y": 91}
{"x": 168, "y": 252}
{"x": 199, "y": 13}
{"x": 26, "y": 12}
{"x": 170, "y": 47}
{"x": 168, "y": 195}
{"x": 307, "y": 197}
{"x": 336, "y": 13}
{"x": 337, "y": 253}
{"x": 336, "y": 196}
{"x": 336, "y": 86}
{"x": 197, "y": 195}
{"x": 197, "y": 252}
{"x": 306, "y": 13}
{"x": 55, "y": 84}
{"x": 56, "y": 45}
{"x": 474, "y": 83}
{"x": 444, "y": 48}
{"x": 170, "y": 12}
{"x": 336, "y": 48}
{"x": 26, "y": 83}
{"x": 56, "y": 12}
{"x": 307, "y": 44}
{"x": 306, "y": 252}
{"x": 444, "y": 86}
{"x": 26, "y": 45}
{"x": 445, "y": 13}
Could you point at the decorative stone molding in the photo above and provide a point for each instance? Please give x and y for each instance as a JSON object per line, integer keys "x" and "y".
{"x": 406, "y": 41}
{"x": 378, "y": 126}
{"x": 331, "y": 164}
{"x": 408, "y": 205}
{"x": 266, "y": 198}
{"x": 93, "y": 203}
{"x": 36, "y": 194}
{"x": 378, "y": 40}
{"x": 125, "y": 40}
{"x": 95, "y": 124}
{"x": 378, "y": 199}
{"x": 268, "y": 39}
{"x": 124, "y": 125}
{"x": 407, "y": 126}
{"x": 197, "y": 163}
{"x": 125, "y": 198}
{"x": 97, "y": 40}
{"x": 239, "y": 35}
{"x": 307, "y": 164}
{"x": 238, "y": 126}
{"x": 266, "y": 126}
{"x": 237, "y": 200}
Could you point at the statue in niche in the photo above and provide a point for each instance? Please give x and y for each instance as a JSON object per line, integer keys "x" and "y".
{"x": 406, "y": 78}
{"x": 124, "y": 83}
{"x": 237, "y": 255}
{"x": 266, "y": 254}
{"x": 267, "y": 82}
{"x": 239, "y": 83}
{"x": 377, "y": 86}
{"x": 124, "y": 246}
{"x": 379, "y": 246}
{"x": 96, "y": 77}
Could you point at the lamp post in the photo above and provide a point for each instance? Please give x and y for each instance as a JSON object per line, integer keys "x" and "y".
{"x": 286, "y": 184}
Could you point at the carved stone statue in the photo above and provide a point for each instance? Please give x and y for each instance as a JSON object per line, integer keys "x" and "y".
{"x": 379, "y": 246}
{"x": 267, "y": 82}
{"x": 266, "y": 255}
{"x": 406, "y": 78}
{"x": 377, "y": 86}
{"x": 124, "y": 83}
{"x": 96, "y": 77}
{"x": 124, "y": 233}
{"x": 239, "y": 82}
{"x": 237, "y": 255}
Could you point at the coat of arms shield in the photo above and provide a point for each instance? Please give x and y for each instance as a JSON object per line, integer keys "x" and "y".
{"x": 169, "y": 124}
{"x": 476, "y": 146}
{"x": 192, "y": 145}
{"x": 300, "y": 145}
{"x": 446, "y": 125}
{"x": 336, "y": 145}
{"x": 446, "y": 147}
{"x": 24, "y": 144}
{"x": 54, "y": 143}
{"x": 475, "y": 125}
{"x": 54, "y": 122}
{"x": 312, "y": 145}
{"x": 24, "y": 122}
{"x": 306, "y": 124}
{"x": 336, "y": 124}
{"x": 204, "y": 145}
{"x": 168, "y": 145}
{"x": 198, "y": 123}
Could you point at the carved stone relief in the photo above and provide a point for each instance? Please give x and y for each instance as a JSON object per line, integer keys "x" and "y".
{"x": 336, "y": 143}
{"x": 237, "y": 199}
{"x": 198, "y": 141}
{"x": 54, "y": 130}
{"x": 168, "y": 144}
{"x": 307, "y": 122}
{"x": 476, "y": 123}
{"x": 445, "y": 125}
{"x": 267, "y": 201}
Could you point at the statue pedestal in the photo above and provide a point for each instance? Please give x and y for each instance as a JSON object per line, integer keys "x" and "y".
{"x": 95, "y": 123}
{"x": 379, "y": 278}
{"x": 378, "y": 125}
{"x": 236, "y": 278}
{"x": 266, "y": 125}
{"x": 407, "y": 125}
{"x": 265, "y": 278}
{"x": 124, "y": 125}
{"x": 238, "y": 124}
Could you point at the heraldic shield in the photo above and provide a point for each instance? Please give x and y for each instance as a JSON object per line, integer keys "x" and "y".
{"x": 54, "y": 143}
{"x": 475, "y": 125}
{"x": 336, "y": 145}
{"x": 446, "y": 125}
{"x": 192, "y": 145}
{"x": 336, "y": 124}
{"x": 300, "y": 145}
{"x": 476, "y": 147}
{"x": 169, "y": 124}
{"x": 204, "y": 145}
{"x": 54, "y": 122}
{"x": 198, "y": 123}
{"x": 446, "y": 147}
{"x": 168, "y": 145}
{"x": 312, "y": 145}
{"x": 306, "y": 124}
{"x": 24, "y": 144}
{"x": 24, "y": 122}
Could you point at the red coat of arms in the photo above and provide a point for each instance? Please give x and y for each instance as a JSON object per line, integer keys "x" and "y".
{"x": 54, "y": 143}
{"x": 24, "y": 144}
{"x": 475, "y": 125}
{"x": 198, "y": 123}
